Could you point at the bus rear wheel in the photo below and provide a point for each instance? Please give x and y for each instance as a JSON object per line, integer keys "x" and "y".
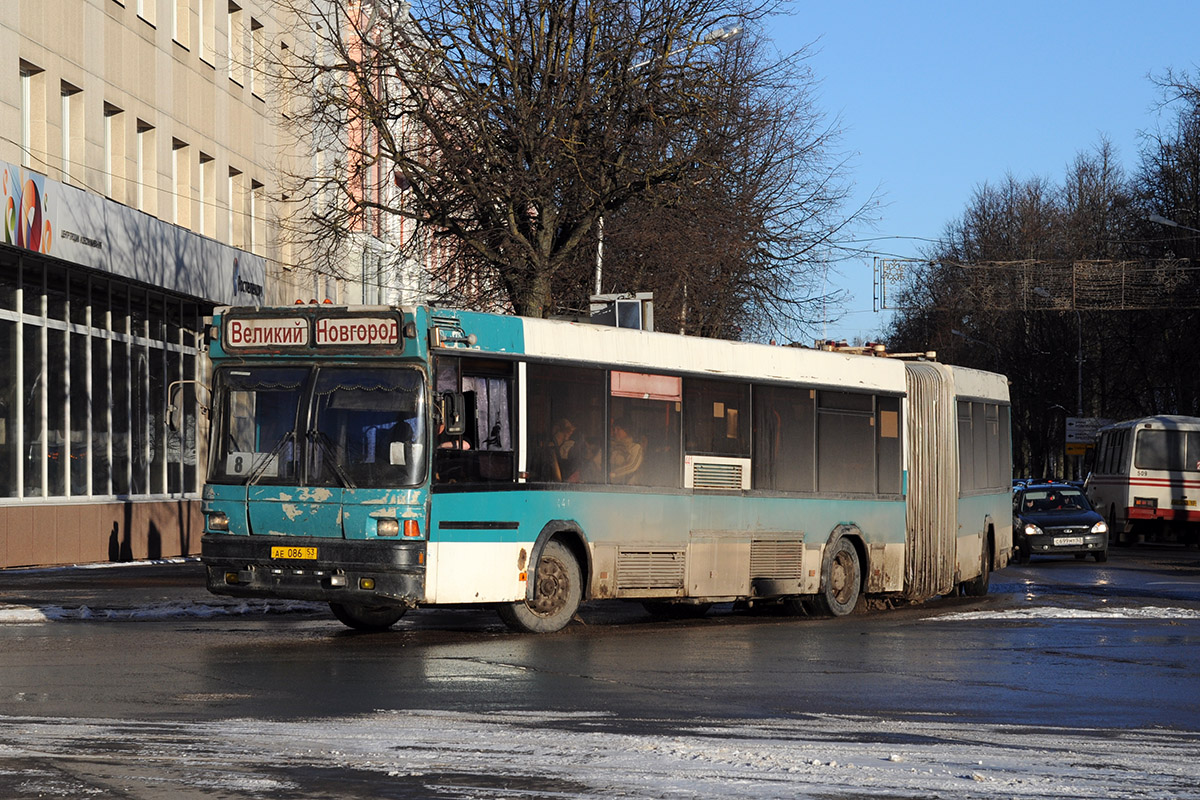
{"x": 841, "y": 580}
{"x": 978, "y": 586}
{"x": 557, "y": 593}
{"x": 367, "y": 618}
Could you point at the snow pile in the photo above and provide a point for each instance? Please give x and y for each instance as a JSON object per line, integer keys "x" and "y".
{"x": 1052, "y": 612}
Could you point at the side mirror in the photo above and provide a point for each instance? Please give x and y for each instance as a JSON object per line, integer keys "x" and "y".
{"x": 174, "y": 410}
{"x": 453, "y": 410}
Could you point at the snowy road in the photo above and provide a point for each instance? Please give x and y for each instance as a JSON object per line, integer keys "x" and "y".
{"x": 497, "y": 755}
{"x": 1070, "y": 680}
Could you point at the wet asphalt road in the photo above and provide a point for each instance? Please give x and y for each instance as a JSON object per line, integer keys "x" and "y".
{"x": 1017, "y": 667}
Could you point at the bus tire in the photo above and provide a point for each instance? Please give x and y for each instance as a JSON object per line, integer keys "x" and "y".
{"x": 367, "y": 618}
{"x": 558, "y": 591}
{"x": 841, "y": 580}
{"x": 978, "y": 586}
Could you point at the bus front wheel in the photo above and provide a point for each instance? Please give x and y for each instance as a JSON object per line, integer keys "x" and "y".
{"x": 367, "y": 618}
{"x": 557, "y": 594}
{"x": 841, "y": 581}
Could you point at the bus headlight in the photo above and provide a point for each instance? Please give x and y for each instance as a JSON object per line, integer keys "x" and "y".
{"x": 387, "y": 527}
{"x": 1100, "y": 527}
{"x": 217, "y": 521}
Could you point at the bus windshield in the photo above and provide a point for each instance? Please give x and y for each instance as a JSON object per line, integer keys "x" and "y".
{"x": 325, "y": 426}
{"x": 367, "y": 428}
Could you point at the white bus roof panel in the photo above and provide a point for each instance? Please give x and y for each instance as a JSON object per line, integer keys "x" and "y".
{"x": 580, "y": 342}
{"x": 979, "y": 384}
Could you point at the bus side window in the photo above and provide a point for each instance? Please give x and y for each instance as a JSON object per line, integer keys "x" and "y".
{"x": 566, "y": 424}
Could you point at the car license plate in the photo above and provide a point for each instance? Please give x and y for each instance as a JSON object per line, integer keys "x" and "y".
{"x": 305, "y": 553}
{"x": 1067, "y": 541}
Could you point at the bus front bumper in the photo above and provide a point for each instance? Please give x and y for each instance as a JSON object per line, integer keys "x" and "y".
{"x": 372, "y": 573}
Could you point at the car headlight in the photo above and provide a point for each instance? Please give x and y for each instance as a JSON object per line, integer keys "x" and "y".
{"x": 1100, "y": 527}
{"x": 1032, "y": 530}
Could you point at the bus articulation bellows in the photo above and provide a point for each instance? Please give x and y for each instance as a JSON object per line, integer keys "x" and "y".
{"x": 385, "y": 458}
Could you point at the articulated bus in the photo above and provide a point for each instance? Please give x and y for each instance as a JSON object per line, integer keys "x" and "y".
{"x": 386, "y": 458}
{"x": 1146, "y": 479}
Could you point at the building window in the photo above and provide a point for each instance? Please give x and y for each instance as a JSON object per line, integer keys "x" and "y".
{"x": 236, "y": 51}
{"x": 257, "y": 44}
{"x": 114, "y": 153}
{"x": 33, "y": 116}
{"x": 73, "y": 142}
{"x": 183, "y": 22}
{"x": 256, "y": 223}
{"x": 207, "y": 192}
{"x": 206, "y": 33}
{"x": 85, "y": 370}
{"x": 147, "y": 169}
{"x": 181, "y": 178}
{"x": 147, "y": 10}
{"x": 237, "y": 209}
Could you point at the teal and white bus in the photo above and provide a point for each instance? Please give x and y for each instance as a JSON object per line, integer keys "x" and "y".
{"x": 386, "y": 458}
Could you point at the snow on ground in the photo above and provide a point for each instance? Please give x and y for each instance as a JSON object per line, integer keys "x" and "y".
{"x": 153, "y": 611}
{"x": 1051, "y": 612}
{"x": 542, "y": 755}
{"x": 11, "y": 614}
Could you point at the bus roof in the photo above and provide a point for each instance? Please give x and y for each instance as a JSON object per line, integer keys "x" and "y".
{"x": 584, "y": 342}
{"x": 1173, "y": 421}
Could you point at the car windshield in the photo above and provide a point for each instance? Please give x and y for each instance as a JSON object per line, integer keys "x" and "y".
{"x": 1058, "y": 498}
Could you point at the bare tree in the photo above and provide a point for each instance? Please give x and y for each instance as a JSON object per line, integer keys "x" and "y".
{"x": 495, "y": 134}
{"x": 739, "y": 249}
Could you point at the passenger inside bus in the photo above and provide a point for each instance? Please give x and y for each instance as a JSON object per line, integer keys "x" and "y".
{"x": 624, "y": 454}
{"x": 561, "y": 452}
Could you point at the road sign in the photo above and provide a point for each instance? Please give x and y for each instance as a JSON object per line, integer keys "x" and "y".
{"x": 1083, "y": 430}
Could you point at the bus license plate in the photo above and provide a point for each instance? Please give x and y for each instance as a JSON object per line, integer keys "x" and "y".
{"x": 306, "y": 553}
{"x": 1062, "y": 541}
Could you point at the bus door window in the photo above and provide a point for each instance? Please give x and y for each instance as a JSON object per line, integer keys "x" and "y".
{"x": 566, "y": 424}
{"x": 484, "y": 452}
{"x": 645, "y": 437}
{"x": 367, "y": 428}
{"x": 254, "y": 426}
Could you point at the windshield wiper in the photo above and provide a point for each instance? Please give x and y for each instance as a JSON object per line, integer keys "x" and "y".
{"x": 261, "y": 467}
{"x": 323, "y": 443}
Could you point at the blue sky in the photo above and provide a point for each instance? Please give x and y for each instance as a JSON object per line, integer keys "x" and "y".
{"x": 937, "y": 97}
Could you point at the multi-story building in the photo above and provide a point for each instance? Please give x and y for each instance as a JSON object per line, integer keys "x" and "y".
{"x": 138, "y": 152}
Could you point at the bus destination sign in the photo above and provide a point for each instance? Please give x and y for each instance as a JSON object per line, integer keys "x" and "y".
{"x": 273, "y": 332}
{"x": 357, "y": 331}
{"x": 261, "y": 332}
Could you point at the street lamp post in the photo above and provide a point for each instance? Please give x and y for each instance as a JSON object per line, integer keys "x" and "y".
{"x": 715, "y": 36}
{"x": 1170, "y": 223}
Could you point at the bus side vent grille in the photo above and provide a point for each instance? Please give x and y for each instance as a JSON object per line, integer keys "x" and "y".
{"x": 712, "y": 472}
{"x": 651, "y": 569}
{"x": 783, "y": 560}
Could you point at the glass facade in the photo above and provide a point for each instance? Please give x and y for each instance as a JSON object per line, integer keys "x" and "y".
{"x": 88, "y": 372}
